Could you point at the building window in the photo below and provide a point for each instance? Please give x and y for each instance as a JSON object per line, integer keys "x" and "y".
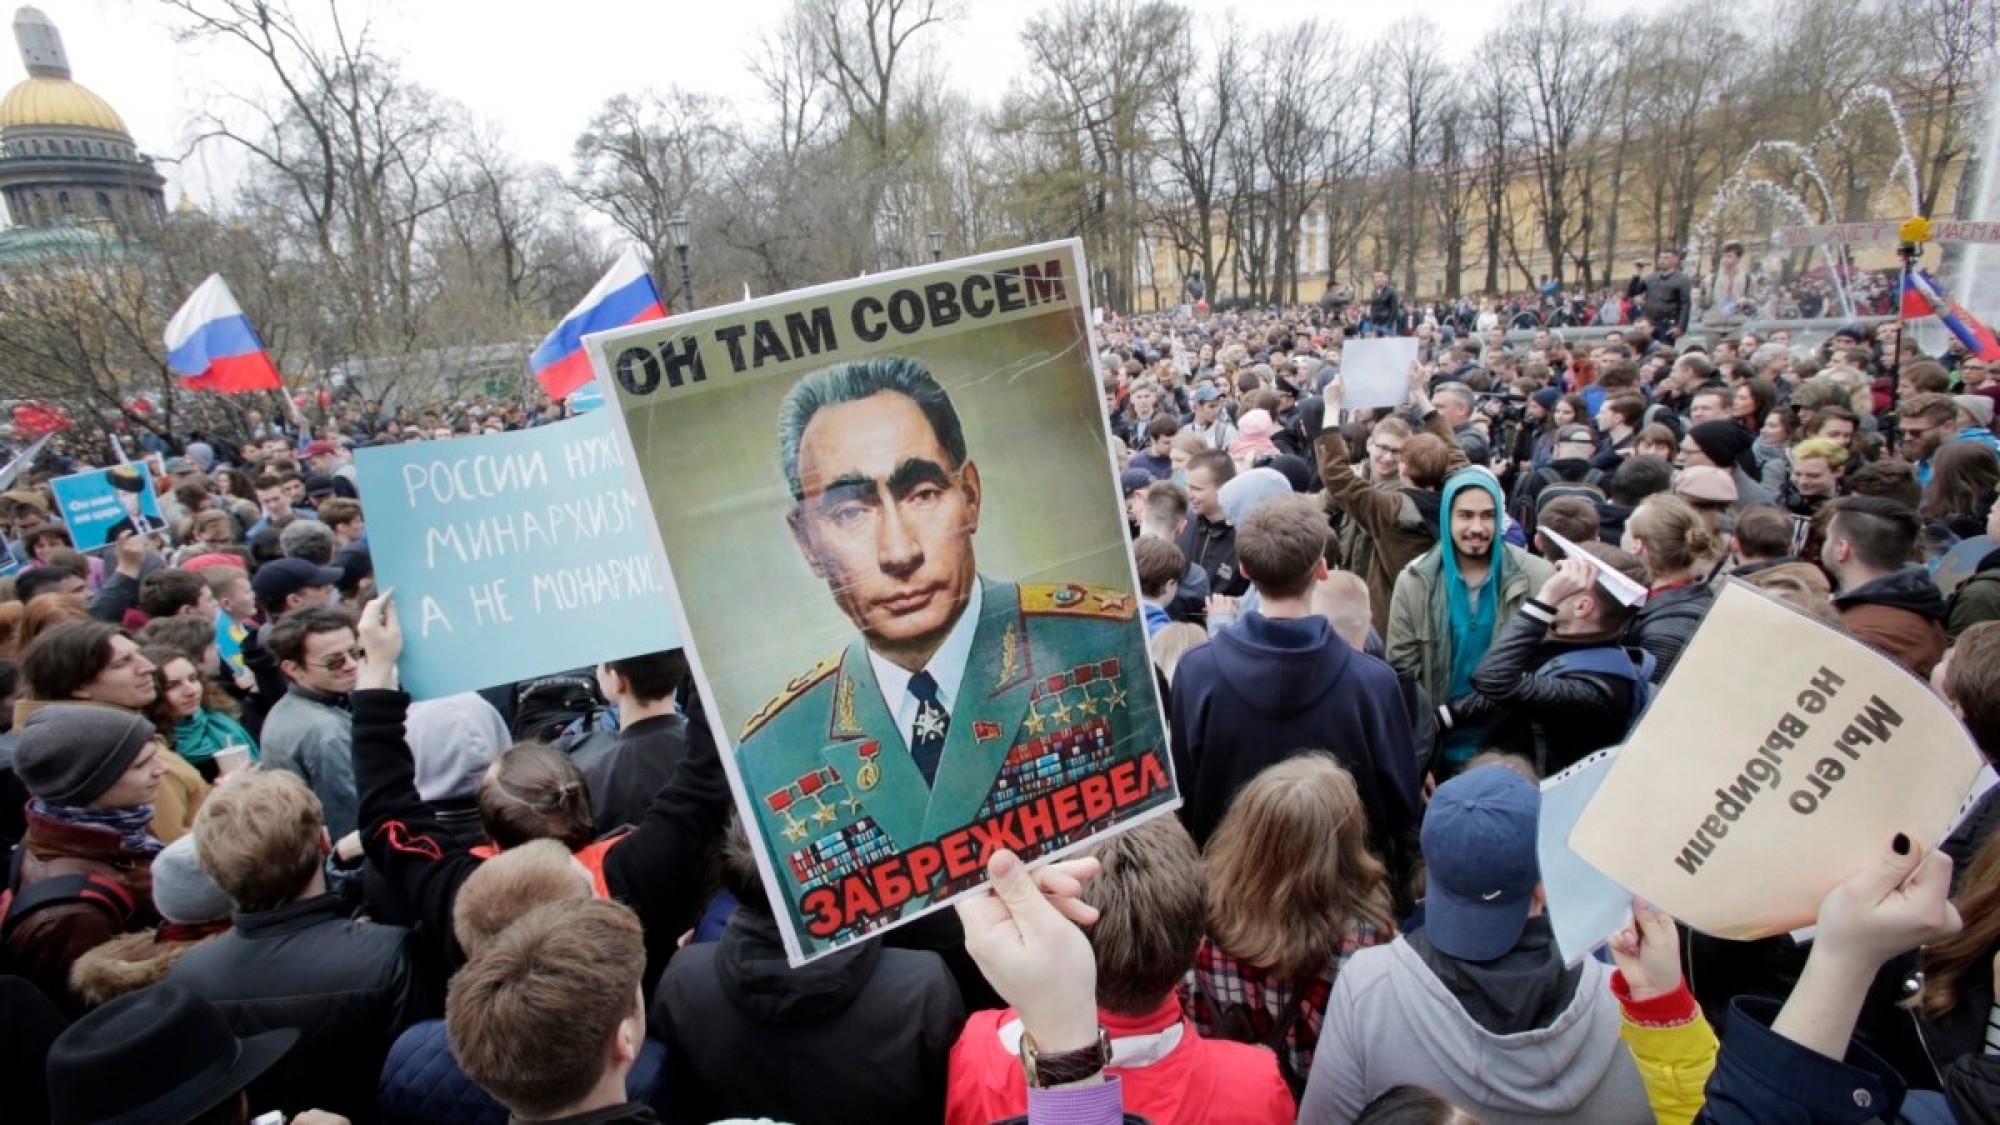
{"x": 104, "y": 205}
{"x": 62, "y": 204}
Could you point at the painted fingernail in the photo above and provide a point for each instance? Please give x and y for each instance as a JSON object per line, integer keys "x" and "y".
{"x": 1901, "y": 843}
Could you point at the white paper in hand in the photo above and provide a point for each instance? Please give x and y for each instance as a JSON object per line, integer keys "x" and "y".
{"x": 1377, "y": 372}
{"x": 1585, "y": 906}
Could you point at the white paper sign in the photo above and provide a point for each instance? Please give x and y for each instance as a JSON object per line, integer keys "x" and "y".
{"x": 1377, "y": 372}
{"x": 1585, "y": 906}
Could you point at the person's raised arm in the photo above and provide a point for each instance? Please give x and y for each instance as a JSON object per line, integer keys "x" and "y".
{"x": 1663, "y": 1026}
{"x": 1894, "y": 906}
{"x": 1802, "y": 1067}
{"x": 1022, "y": 932}
{"x": 1370, "y": 507}
{"x": 421, "y": 861}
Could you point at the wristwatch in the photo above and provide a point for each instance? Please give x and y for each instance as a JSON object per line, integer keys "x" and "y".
{"x": 1063, "y": 1067}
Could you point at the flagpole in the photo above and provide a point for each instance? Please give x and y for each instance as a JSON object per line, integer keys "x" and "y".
{"x": 1908, "y": 253}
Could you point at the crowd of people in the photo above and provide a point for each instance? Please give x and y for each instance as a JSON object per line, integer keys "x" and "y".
{"x": 250, "y": 875}
{"x": 1736, "y": 290}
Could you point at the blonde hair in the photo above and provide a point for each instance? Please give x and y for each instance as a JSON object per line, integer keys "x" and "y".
{"x": 1822, "y": 448}
{"x": 511, "y": 884}
{"x": 1673, "y": 533}
{"x": 1289, "y": 870}
{"x": 1173, "y": 642}
{"x": 1342, "y": 598}
{"x": 261, "y": 837}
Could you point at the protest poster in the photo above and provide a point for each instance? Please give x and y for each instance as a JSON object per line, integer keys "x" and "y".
{"x": 1377, "y": 371}
{"x": 1777, "y": 760}
{"x": 586, "y": 398}
{"x": 100, "y": 505}
{"x": 513, "y": 555}
{"x": 888, "y": 513}
{"x": 1585, "y": 907}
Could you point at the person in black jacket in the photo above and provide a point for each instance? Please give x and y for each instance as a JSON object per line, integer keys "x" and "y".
{"x": 1209, "y": 540}
{"x": 626, "y": 769}
{"x": 866, "y": 1030}
{"x": 656, "y": 868}
{"x": 294, "y": 959}
{"x": 1385, "y": 309}
{"x": 1557, "y": 685}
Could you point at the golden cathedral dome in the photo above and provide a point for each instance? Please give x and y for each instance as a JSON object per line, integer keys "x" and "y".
{"x": 58, "y": 102}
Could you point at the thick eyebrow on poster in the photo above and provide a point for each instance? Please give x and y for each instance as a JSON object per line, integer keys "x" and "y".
{"x": 888, "y": 511}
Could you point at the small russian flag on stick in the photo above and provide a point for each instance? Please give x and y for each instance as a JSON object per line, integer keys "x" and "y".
{"x": 1923, "y": 296}
{"x": 625, "y": 295}
{"x": 212, "y": 347}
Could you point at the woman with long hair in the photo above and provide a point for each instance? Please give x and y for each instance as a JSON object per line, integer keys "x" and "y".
{"x": 195, "y": 717}
{"x": 1773, "y": 447}
{"x": 1672, "y": 539}
{"x": 1293, "y": 892}
{"x": 1569, "y": 410}
{"x": 1963, "y": 477}
{"x": 1955, "y": 1003}
{"x": 1751, "y": 402}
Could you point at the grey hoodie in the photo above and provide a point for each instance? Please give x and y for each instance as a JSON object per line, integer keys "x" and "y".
{"x": 1391, "y": 1021}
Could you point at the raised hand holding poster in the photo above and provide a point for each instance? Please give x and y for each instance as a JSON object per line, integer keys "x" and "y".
{"x": 888, "y": 512}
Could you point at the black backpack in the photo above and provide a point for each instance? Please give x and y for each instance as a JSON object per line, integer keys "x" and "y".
{"x": 17, "y": 905}
{"x": 545, "y": 707}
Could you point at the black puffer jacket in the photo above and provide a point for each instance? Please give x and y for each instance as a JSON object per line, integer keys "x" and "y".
{"x": 348, "y": 987}
{"x": 1666, "y": 623}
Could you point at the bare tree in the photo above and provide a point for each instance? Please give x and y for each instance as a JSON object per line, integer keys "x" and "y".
{"x": 1416, "y": 78}
{"x": 1557, "y": 55}
{"x": 642, "y": 161}
{"x": 1196, "y": 115}
{"x": 1102, "y": 71}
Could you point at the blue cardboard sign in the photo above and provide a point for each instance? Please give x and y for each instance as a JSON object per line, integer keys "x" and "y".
{"x": 514, "y": 555}
{"x": 586, "y": 398}
{"x": 101, "y": 505}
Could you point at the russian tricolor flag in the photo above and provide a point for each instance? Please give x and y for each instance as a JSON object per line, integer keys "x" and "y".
{"x": 211, "y": 345}
{"x": 625, "y": 295}
{"x": 1923, "y": 296}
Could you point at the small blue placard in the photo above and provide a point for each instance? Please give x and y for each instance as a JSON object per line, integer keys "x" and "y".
{"x": 103, "y": 504}
{"x": 586, "y": 398}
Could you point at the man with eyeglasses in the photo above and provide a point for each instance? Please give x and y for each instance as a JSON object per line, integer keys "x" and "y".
{"x": 311, "y": 732}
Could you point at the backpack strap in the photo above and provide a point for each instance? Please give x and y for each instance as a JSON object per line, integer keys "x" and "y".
{"x": 1634, "y": 665}
{"x": 107, "y": 895}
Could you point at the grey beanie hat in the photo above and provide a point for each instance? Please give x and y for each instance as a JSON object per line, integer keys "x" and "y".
{"x": 182, "y": 891}
{"x": 70, "y": 753}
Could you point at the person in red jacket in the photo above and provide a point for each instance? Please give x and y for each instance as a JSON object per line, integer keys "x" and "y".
{"x": 1152, "y": 903}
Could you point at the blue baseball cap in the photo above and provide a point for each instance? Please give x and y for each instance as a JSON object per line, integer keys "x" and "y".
{"x": 1206, "y": 394}
{"x": 1479, "y": 846}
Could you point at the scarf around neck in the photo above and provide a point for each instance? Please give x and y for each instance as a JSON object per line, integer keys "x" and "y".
{"x": 130, "y": 824}
{"x": 200, "y": 735}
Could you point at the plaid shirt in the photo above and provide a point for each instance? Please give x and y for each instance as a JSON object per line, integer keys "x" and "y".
{"x": 1227, "y": 999}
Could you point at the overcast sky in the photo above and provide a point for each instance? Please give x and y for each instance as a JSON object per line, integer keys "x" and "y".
{"x": 540, "y": 70}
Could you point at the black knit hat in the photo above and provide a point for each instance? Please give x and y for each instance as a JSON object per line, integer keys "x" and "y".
{"x": 1723, "y": 442}
{"x": 70, "y": 753}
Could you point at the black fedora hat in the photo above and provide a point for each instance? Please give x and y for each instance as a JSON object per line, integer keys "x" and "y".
{"x": 161, "y": 1056}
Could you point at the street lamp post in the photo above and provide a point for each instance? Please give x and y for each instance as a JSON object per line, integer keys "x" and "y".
{"x": 937, "y": 245}
{"x": 677, "y": 229}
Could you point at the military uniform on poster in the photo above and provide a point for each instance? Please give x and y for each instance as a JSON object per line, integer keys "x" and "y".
{"x": 1042, "y": 704}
